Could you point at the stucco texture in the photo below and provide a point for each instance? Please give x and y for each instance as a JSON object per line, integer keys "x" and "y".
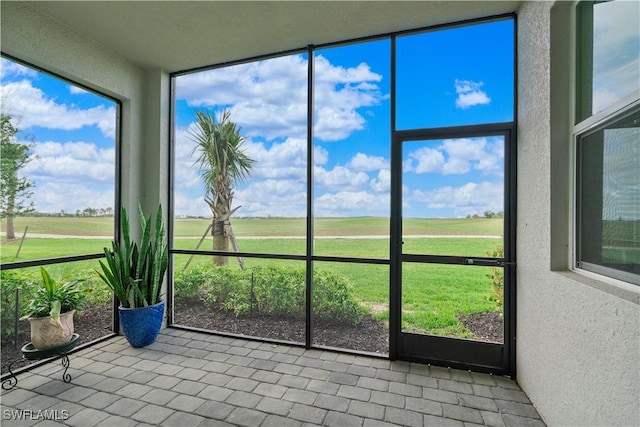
{"x": 577, "y": 347}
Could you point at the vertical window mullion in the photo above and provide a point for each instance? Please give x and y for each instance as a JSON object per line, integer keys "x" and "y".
{"x": 309, "y": 251}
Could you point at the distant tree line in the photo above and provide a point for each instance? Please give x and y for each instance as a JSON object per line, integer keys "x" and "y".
{"x": 488, "y": 214}
{"x": 91, "y": 212}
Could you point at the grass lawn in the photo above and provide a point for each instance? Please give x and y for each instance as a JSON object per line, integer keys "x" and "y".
{"x": 432, "y": 295}
{"x": 352, "y": 226}
{"x": 38, "y": 248}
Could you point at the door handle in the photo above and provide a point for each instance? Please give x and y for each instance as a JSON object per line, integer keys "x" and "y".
{"x": 486, "y": 262}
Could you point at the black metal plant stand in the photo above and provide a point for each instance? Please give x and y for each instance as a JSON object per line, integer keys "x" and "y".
{"x": 30, "y": 353}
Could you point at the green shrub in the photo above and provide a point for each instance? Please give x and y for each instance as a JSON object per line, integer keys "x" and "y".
{"x": 10, "y": 281}
{"x": 333, "y": 297}
{"x": 189, "y": 283}
{"x": 270, "y": 290}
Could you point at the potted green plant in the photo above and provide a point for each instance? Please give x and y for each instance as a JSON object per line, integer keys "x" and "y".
{"x": 134, "y": 270}
{"x": 51, "y": 310}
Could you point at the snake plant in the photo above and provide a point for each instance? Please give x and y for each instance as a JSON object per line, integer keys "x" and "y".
{"x": 135, "y": 269}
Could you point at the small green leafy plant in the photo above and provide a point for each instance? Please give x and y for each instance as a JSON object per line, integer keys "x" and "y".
{"x": 52, "y": 298}
{"x": 497, "y": 279}
{"x": 134, "y": 270}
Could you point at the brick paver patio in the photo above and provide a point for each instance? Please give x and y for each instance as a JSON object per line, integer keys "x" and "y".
{"x": 191, "y": 379}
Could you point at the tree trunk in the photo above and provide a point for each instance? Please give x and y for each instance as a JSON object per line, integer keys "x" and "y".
{"x": 220, "y": 243}
{"x": 11, "y": 232}
{"x": 11, "y": 203}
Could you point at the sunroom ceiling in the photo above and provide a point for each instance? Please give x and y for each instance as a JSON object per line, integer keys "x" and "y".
{"x": 180, "y": 35}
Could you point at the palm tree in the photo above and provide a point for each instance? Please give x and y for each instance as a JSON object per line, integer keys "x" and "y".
{"x": 222, "y": 163}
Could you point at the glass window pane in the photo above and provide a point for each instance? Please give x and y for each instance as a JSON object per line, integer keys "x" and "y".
{"x": 265, "y": 299}
{"x": 94, "y": 321}
{"x": 608, "y": 54}
{"x": 267, "y": 101}
{"x": 351, "y": 306}
{"x": 352, "y": 150}
{"x": 453, "y": 196}
{"x": 456, "y": 76}
{"x": 609, "y": 199}
{"x": 58, "y": 166}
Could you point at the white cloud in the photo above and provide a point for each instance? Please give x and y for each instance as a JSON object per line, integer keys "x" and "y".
{"x": 187, "y": 205}
{"x": 366, "y": 163}
{"x": 56, "y": 196}
{"x": 615, "y": 22}
{"x": 77, "y": 163}
{"x": 458, "y": 156}
{"x": 470, "y": 94}
{"x": 12, "y": 69}
{"x": 75, "y": 90}
{"x": 31, "y": 107}
{"x": 382, "y": 182}
{"x": 339, "y": 178}
{"x": 345, "y": 203}
{"x": 269, "y": 98}
{"x": 425, "y": 160}
{"x": 186, "y": 175}
{"x": 473, "y": 153}
{"x": 272, "y": 197}
{"x": 465, "y": 200}
{"x": 287, "y": 159}
{"x": 320, "y": 155}
{"x": 616, "y": 47}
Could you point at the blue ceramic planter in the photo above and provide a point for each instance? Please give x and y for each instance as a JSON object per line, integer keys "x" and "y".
{"x": 141, "y": 325}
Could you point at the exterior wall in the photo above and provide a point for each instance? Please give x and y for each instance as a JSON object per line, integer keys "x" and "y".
{"x": 578, "y": 339}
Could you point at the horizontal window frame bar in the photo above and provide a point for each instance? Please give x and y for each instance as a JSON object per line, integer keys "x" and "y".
{"x": 49, "y": 261}
{"x": 320, "y": 258}
{"x": 479, "y": 130}
{"x": 625, "y": 276}
{"x": 603, "y": 118}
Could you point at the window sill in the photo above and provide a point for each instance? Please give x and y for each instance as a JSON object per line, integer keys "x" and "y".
{"x": 611, "y": 286}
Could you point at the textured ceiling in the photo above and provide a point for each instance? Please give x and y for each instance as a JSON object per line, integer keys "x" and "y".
{"x": 180, "y": 35}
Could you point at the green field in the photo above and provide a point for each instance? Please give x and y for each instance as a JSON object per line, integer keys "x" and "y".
{"x": 352, "y": 226}
{"x": 433, "y": 296}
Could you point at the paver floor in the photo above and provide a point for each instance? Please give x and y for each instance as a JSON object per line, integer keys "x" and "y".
{"x": 191, "y": 379}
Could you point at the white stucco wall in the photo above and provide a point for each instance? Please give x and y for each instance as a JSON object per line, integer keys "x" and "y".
{"x": 578, "y": 347}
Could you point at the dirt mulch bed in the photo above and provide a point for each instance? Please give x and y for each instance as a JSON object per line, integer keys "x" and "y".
{"x": 485, "y": 326}
{"x": 369, "y": 335}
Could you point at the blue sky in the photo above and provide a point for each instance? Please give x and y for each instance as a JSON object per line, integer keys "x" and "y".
{"x": 445, "y": 78}
{"x": 73, "y": 137}
{"x": 449, "y": 77}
